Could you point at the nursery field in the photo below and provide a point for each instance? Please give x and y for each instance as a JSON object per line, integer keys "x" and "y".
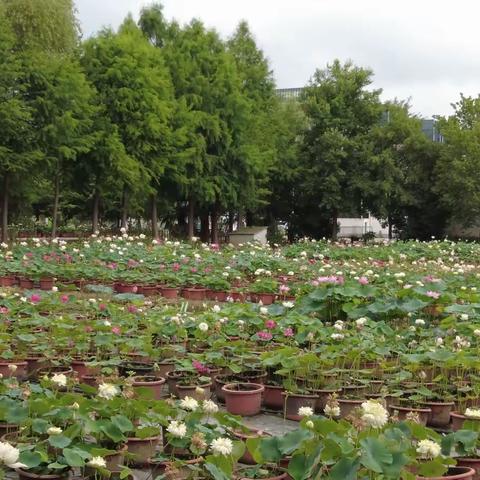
{"x": 122, "y": 357}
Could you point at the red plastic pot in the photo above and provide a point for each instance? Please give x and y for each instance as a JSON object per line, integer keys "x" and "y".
{"x": 272, "y": 397}
{"x": 46, "y": 283}
{"x": 454, "y": 473}
{"x": 25, "y": 283}
{"x": 154, "y": 384}
{"x": 294, "y": 401}
{"x": 265, "y": 298}
{"x": 7, "y": 281}
{"x": 194, "y": 294}
{"x": 169, "y": 292}
{"x": 402, "y": 412}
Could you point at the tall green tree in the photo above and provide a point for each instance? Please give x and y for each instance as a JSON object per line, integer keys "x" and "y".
{"x": 17, "y": 150}
{"x": 340, "y": 110}
{"x": 457, "y": 173}
{"x": 134, "y": 85}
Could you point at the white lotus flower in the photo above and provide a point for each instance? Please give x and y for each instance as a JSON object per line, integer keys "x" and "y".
{"x": 54, "y": 431}
{"x": 189, "y": 403}
{"x": 203, "y": 326}
{"x": 472, "y": 412}
{"x": 221, "y": 446}
{"x": 97, "y": 462}
{"x": 428, "y": 449}
{"x": 177, "y": 429}
{"x": 9, "y": 456}
{"x": 332, "y": 411}
{"x": 59, "y": 379}
{"x": 107, "y": 391}
{"x": 305, "y": 411}
{"x": 374, "y": 414}
{"x": 209, "y": 406}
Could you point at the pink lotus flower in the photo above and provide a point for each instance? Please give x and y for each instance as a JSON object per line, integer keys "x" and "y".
{"x": 64, "y": 299}
{"x": 4, "y": 310}
{"x": 288, "y": 332}
{"x": 102, "y": 307}
{"x": 315, "y": 283}
{"x": 193, "y": 269}
{"x": 116, "y": 330}
{"x": 176, "y": 267}
{"x": 270, "y": 324}
{"x": 363, "y": 281}
{"x": 35, "y": 298}
{"x": 263, "y": 335}
{"x": 200, "y": 367}
{"x": 432, "y": 294}
{"x": 284, "y": 288}
{"x": 132, "y": 309}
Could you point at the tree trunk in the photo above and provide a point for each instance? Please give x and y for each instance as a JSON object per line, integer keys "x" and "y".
{"x": 390, "y": 228}
{"x": 215, "y": 238}
{"x": 205, "y": 227}
{"x": 124, "y": 208}
{"x": 241, "y": 219}
{"x": 5, "y": 208}
{"x": 249, "y": 219}
{"x": 334, "y": 225}
{"x": 191, "y": 219}
{"x": 96, "y": 210}
{"x": 56, "y": 201}
{"x": 154, "y": 216}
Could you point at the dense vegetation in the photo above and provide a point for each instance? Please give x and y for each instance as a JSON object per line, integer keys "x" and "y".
{"x": 172, "y": 123}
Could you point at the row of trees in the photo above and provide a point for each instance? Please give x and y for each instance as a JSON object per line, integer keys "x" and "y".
{"x": 170, "y": 122}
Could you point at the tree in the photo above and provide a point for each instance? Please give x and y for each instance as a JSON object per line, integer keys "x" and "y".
{"x": 459, "y": 163}
{"x": 45, "y": 25}
{"x": 17, "y": 152}
{"x": 340, "y": 112}
{"x": 135, "y": 87}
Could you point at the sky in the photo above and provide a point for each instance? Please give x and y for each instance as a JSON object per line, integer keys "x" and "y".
{"x": 424, "y": 51}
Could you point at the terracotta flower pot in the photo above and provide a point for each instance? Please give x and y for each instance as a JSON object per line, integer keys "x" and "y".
{"x": 244, "y": 436}
{"x": 265, "y": 298}
{"x": 243, "y": 398}
{"x": 142, "y": 449}
{"x": 457, "y": 420}
{"x": 19, "y": 372}
{"x": 220, "y": 382}
{"x": 215, "y": 296}
{"x": 138, "y": 368}
{"x": 322, "y": 397}
{"x": 195, "y": 294}
{"x": 198, "y": 392}
{"x": 154, "y": 384}
{"x": 7, "y": 281}
{"x": 169, "y": 471}
{"x": 276, "y": 476}
{"x": 169, "y": 292}
{"x": 148, "y": 290}
{"x": 164, "y": 367}
{"x": 81, "y": 368}
{"x": 25, "y": 475}
{"x": 25, "y": 283}
{"x": 121, "y": 287}
{"x": 347, "y": 406}
{"x": 238, "y": 296}
{"x": 50, "y": 371}
{"x": 272, "y": 397}
{"x": 46, "y": 283}
{"x": 402, "y": 412}
{"x": 440, "y": 413}
{"x": 454, "y": 473}
{"x": 34, "y": 363}
{"x": 253, "y": 376}
{"x": 116, "y": 460}
{"x": 294, "y": 401}
{"x": 6, "y": 428}
{"x": 470, "y": 463}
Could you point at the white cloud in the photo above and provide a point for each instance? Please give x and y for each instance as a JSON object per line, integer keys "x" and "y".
{"x": 423, "y": 49}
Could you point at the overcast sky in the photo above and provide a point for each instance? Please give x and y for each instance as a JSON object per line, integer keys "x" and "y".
{"x": 425, "y": 50}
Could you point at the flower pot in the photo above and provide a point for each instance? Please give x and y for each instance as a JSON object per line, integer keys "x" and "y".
{"x": 138, "y": 368}
{"x": 243, "y": 398}
{"x": 238, "y": 296}
{"x": 252, "y": 433}
{"x": 142, "y": 449}
{"x": 6, "y": 428}
{"x": 25, "y": 475}
{"x": 276, "y": 475}
{"x": 7, "y": 281}
{"x": 470, "y": 462}
{"x": 198, "y": 392}
{"x": 173, "y": 378}
{"x": 402, "y": 412}
{"x": 116, "y": 460}
{"x": 322, "y": 397}
{"x": 253, "y": 376}
{"x": 25, "y": 283}
{"x": 347, "y": 406}
{"x": 148, "y": 290}
{"x": 50, "y": 371}
{"x": 125, "y": 288}
{"x": 35, "y": 363}
{"x": 294, "y": 401}
{"x": 165, "y": 367}
{"x": 91, "y": 380}
{"x": 169, "y": 471}
{"x": 46, "y": 283}
{"x": 169, "y": 292}
{"x": 81, "y": 369}
{"x": 215, "y": 296}
{"x": 272, "y": 397}
{"x": 440, "y": 413}
{"x": 152, "y": 383}
{"x": 265, "y": 298}
{"x": 220, "y": 382}
{"x": 20, "y": 372}
{"x": 454, "y": 473}
{"x": 195, "y": 294}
